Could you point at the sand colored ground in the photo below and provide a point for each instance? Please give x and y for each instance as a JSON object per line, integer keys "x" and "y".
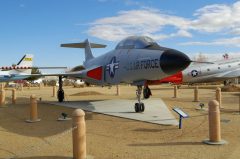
{"x": 111, "y": 137}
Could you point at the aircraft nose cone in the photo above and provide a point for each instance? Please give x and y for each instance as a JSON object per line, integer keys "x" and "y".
{"x": 173, "y": 61}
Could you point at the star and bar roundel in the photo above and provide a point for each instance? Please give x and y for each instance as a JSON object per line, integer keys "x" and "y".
{"x": 112, "y": 67}
{"x": 194, "y": 73}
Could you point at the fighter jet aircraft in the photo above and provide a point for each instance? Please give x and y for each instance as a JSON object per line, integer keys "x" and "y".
{"x": 135, "y": 60}
{"x": 203, "y": 73}
{"x": 21, "y": 71}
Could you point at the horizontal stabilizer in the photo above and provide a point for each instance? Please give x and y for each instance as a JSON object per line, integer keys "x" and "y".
{"x": 83, "y": 45}
{"x": 93, "y": 74}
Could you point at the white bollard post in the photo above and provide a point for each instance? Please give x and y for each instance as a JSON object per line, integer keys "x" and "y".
{"x": 214, "y": 124}
{"x": 14, "y": 98}
{"x": 175, "y": 92}
{"x": 79, "y": 134}
{"x": 2, "y": 97}
{"x": 219, "y": 97}
{"x": 33, "y": 110}
{"x": 118, "y": 90}
{"x": 196, "y": 94}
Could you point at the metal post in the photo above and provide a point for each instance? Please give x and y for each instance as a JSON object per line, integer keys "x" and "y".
{"x": 180, "y": 122}
{"x": 175, "y": 92}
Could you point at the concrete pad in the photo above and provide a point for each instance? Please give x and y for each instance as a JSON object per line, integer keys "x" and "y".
{"x": 155, "y": 110}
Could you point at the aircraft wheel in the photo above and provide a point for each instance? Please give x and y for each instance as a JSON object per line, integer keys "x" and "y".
{"x": 137, "y": 108}
{"x": 142, "y": 107}
{"x": 146, "y": 93}
{"x": 60, "y": 95}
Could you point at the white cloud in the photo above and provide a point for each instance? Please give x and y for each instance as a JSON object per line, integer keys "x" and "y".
{"x": 221, "y": 19}
{"x": 138, "y": 22}
{"x": 217, "y": 18}
{"x": 235, "y": 41}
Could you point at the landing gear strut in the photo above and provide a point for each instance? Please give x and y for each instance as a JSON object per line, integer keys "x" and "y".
{"x": 60, "y": 90}
{"x": 139, "y": 107}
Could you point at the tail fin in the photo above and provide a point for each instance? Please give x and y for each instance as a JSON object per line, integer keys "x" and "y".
{"x": 25, "y": 62}
{"x": 87, "y": 46}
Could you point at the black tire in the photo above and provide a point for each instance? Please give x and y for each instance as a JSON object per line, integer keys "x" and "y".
{"x": 146, "y": 93}
{"x": 137, "y": 108}
{"x": 142, "y": 107}
{"x": 60, "y": 95}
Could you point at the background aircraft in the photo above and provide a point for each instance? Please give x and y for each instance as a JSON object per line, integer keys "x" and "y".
{"x": 202, "y": 73}
{"x": 22, "y": 70}
{"x": 135, "y": 60}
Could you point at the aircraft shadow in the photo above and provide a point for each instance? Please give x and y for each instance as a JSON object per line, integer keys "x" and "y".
{"x": 168, "y": 144}
{"x": 86, "y": 105}
{"x": 45, "y": 157}
{"x": 154, "y": 130}
{"x": 13, "y": 117}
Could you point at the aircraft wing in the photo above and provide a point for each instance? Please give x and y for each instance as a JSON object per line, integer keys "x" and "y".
{"x": 95, "y": 73}
{"x": 230, "y": 74}
{"x": 78, "y": 74}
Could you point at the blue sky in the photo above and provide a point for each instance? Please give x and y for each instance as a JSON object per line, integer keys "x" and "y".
{"x": 40, "y": 26}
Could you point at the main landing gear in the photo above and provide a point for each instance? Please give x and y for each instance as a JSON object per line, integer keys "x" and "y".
{"x": 139, "y": 107}
{"x": 146, "y": 92}
{"x": 60, "y": 90}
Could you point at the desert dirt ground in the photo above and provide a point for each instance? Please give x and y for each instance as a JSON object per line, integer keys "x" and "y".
{"x": 111, "y": 137}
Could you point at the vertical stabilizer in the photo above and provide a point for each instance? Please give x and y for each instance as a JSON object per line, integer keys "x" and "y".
{"x": 87, "y": 46}
{"x": 88, "y": 51}
{"x": 24, "y": 64}
{"x": 26, "y": 61}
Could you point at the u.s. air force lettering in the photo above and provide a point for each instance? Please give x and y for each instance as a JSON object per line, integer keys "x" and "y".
{"x": 144, "y": 64}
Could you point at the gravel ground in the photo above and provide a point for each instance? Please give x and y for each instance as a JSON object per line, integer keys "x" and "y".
{"x": 111, "y": 137}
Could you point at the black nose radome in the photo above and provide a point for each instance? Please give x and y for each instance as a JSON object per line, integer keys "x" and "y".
{"x": 173, "y": 61}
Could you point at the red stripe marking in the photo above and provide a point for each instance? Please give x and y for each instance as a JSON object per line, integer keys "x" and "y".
{"x": 176, "y": 79}
{"x": 95, "y": 73}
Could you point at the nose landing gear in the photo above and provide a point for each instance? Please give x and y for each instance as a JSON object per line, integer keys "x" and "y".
{"x": 139, "y": 107}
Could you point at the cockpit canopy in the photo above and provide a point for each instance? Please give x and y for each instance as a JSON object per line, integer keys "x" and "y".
{"x": 137, "y": 42}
